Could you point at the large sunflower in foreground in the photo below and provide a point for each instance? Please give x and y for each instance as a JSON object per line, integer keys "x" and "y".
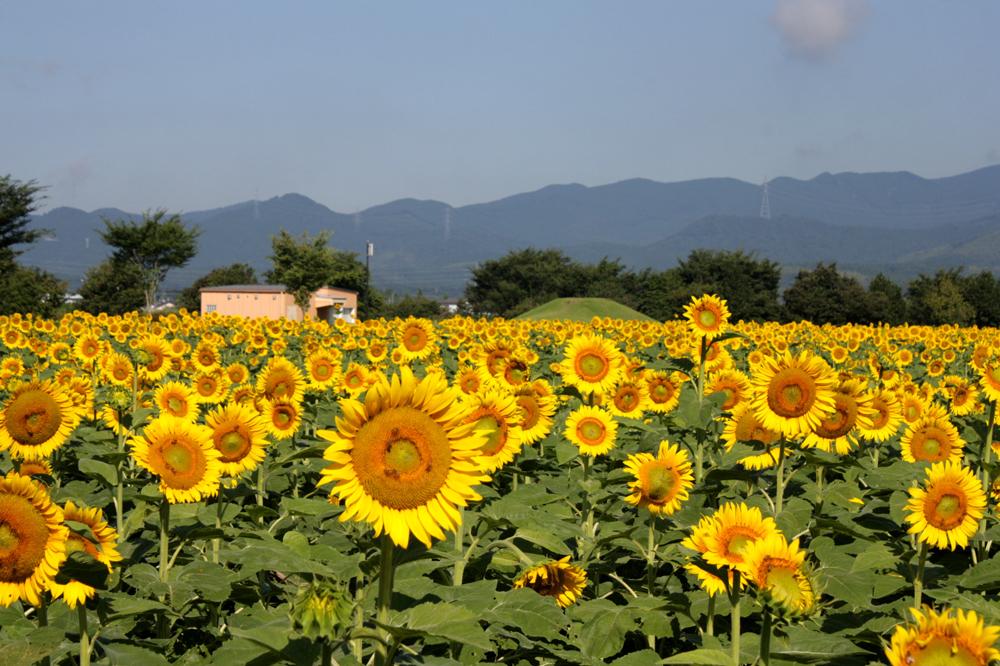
{"x": 32, "y": 540}
{"x": 37, "y": 419}
{"x": 793, "y": 393}
{"x": 99, "y": 541}
{"x": 945, "y": 513}
{"x": 591, "y": 364}
{"x": 182, "y": 455}
{"x": 939, "y": 639}
{"x": 403, "y": 460}
{"x": 557, "y": 578}
{"x": 660, "y": 483}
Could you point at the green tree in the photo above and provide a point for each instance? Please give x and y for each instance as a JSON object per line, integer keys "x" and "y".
{"x": 18, "y": 200}
{"x": 27, "y": 289}
{"x": 113, "y": 287}
{"x": 657, "y": 294}
{"x": 824, "y": 296}
{"x": 237, "y": 273}
{"x": 153, "y": 245}
{"x": 522, "y": 279}
{"x": 305, "y": 263}
{"x": 748, "y": 284}
{"x": 885, "y": 303}
{"x": 938, "y": 299}
{"x": 982, "y": 292}
{"x": 413, "y": 305}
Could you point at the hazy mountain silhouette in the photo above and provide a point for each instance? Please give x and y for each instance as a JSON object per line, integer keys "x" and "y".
{"x": 896, "y": 222}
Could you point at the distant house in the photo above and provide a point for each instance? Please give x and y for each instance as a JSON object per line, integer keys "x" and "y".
{"x": 273, "y": 301}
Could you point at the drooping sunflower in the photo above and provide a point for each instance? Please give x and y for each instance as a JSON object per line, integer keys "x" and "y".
{"x": 32, "y": 540}
{"x": 556, "y": 578}
{"x": 404, "y": 460}
{"x": 181, "y": 454}
{"x": 886, "y": 420}
{"x": 777, "y": 568}
{"x": 932, "y": 438}
{"x": 239, "y": 435}
{"x": 661, "y": 483}
{"x": 496, "y": 416}
{"x": 537, "y": 411}
{"x": 417, "y": 339}
{"x": 592, "y": 429}
{"x": 744, "y": 427}
{"x": 99, "y": 541}
{"x": 178, "y": 400}
{"x": 938, "y": 639}
{"x": 37, "y": 419}
{"x": 837, "y": 432}
{"x": 591, "y": 364}
{"x": 945, "y": 513}
{"x": 793, "y": 394}
{"x": 707, "y": 316}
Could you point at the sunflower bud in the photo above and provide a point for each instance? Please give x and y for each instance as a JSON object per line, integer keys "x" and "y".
{"x": 321, "y": 610}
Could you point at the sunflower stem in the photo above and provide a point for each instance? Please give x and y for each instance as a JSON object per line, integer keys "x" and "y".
{"x": 780, "y": 481}
{"x": 385, "y": 579}
{"x": 43, "y": 621}
{"x": 985, "y": 459}
{"x": 651, "y": 569}
{"x": 765, "y": 638}
{"x": 81, "y": 614}
{"x": 261, "y": 486}
{"x": 459, "y": 570}
{"x": 220, "y": 508}
{"x": 734, "y": 600}
{"x": 918, "y": 580}
{"x": 710, "y": 620}
{"x": 820, "y": 474}
{"x": 164, "y": 559}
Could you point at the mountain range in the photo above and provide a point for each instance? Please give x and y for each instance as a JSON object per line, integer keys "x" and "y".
{"x": 897, "y": 223}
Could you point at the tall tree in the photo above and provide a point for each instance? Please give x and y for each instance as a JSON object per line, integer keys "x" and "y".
{"x": 938, "y": 299}
{"x": 238, "y": 273}
{"x": 885, "y": 303}
{"x": 522, "y": 279}
{"x": 749, "y": 284}
{"x": 154, "y": 245}
{"x": 27, "y": 289}
{"x": 18, "y": 200}
{"x": 112, "y": 287}
{"x": 824, "y": 296}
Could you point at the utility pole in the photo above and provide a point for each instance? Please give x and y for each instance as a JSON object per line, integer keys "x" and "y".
{"x": 369, "y": 253}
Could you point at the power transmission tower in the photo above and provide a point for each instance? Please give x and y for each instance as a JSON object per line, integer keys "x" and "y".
{"x": 765, "y": 203}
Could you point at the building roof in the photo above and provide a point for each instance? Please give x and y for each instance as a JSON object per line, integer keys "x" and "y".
{"x": 259, "y": 289}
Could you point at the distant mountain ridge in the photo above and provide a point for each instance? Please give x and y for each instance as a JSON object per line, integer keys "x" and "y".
{"x": 896, "y": 222}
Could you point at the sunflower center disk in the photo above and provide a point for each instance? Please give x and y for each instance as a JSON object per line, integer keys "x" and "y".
{"x": 660, "y": 483}
{"x": 33, "y": 417}
{"x": 233, "y": 445}
{"x": 590, "y": 431}
{"x": 175, "y": 405}
{"x": 529, "y": 411}
{"x": 402, "y": 457}
{"x": 178, "y": 458}
{"x": 781, "y": 580}
{"x": 23, "y": 535}
{"x": 707, "y": 319}
{"x": 495, "y": 435}
{"x": 942, "y": 651}
{"x": 791, "y": 393}
{"x": 592, "y": 367}
{"x": 841, "y": 421}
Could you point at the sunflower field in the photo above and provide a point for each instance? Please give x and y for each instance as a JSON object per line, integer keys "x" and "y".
{"x": 213, "y": 490}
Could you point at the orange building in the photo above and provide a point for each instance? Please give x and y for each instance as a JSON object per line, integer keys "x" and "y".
{"x": 274, "y": 302}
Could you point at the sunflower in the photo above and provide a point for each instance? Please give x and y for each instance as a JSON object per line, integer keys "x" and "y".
{"x": 949, "y": 637}
{"x": 912, "y": 406}
{"x": 99, "y": 541}
{"x": 661, "y": 484}
{"x": 537, "y": 411}
{"x": 404, "y": 460}
{"x": 178, "y": 400}
{"x": 591, "y": 364}
{"x": 556, "y": 578}
{"x": 282, "y": 418}
{"x": 205, "y": 357}
{"x": 496, "y": 417}
{"x": 733, "y": 383}
{"x": 662, "y": 391}
{"x": 37, "y": 419}
{"x": 87, "y": 348}
{"x": 852, "y": 410}
{"x": 323, "y": 369}
{"x": 237, "y": 373}
{"x": 32, "y": 540}
{"x": 182, "y": 455}
{"x": 932, "y": 438}
{"x": 355, "y": 380}
{"x": 794, "y": 393}
{"x": 592, "y": 429}
{"x": 886, "y": 420}
{"x": 117, "y": 369}
{"x": 734, "y": 528}
{"x": 946, "y": 512}
{"x": 990, "y": 381}
{"x": 211, "y": 387}
{"x": 964, "y": 397}
{"x": 153, "y": 354}
{"x": 777, "y": 568}
{"x": 416, "y": 338}
{"x": 239, "y": 435}
{"x": 280, "y": 380}
{"x": 707, "y": 316}
{"x": 744, "y": 427}
{"x": 628, "y": 399}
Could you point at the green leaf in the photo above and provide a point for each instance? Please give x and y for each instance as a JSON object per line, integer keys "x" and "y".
{"x": 447, "y": 621}
{"x": 983, "y": 576}
{"x": 603, "y": 632}
{"x": 31, "y": 648}
{"x": 213, "y": 581}
{"x": 701, "y": 657}
{"x": 805, "y": 646}
{"x": 529, "y": 612}
{"x": 124, "y": 605}
{"x": 125, "y": 654}
{"x": 101, "y": 470}
{"x": 269, "y": 627}
{"x": 306, "y": 506}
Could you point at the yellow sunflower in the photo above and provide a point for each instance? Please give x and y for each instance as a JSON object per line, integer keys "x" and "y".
{"x": 887, "y": 417}
{"x": 733, "y": 383}
{"x": 211, "y": 387}
{"x": 32, "y": 540}
{"x": 416, "y": 338}
{"x": 87, "y": 348}
{"x": 323, "y": 369}
{"x": 852, "y": 411}
{"x": 537, "y": 411}
{"x": 794, "y": 393}
{"x": 281, "y": 380}
{"x": 945, "y": 513}
{"x": 707, "y": 316}
{"x": 355, "y": 380}
{"x": 592, "y": 429}
{"x": 591, "y": 364}
{"x": 777, "y": 568}
{"x": 282, "y": 418}
{"x": 37, "y": 419}
{"x": 661, "y": 483}
{"x": 117, "y": 369}
{"x": 99, "y": 541}
{"x": 178, "y": 400}
{"x": 932, "y": 438}
{"x": 557, "y": 578}
{"x": 496, "y": 416}
{"x": 744, "y": 427}
{"x": 990, "y": 381}
{"x": 939, "y": 639}
{"x": 153, "y": 354}
{"x": 182, "y": 455}
{"x": 404, "y": 460}
{"x": 662, "y": 391}
{"x": 628, "y": 399}
{"x": 734, "y": 528}
{"x": 239, "y": 435}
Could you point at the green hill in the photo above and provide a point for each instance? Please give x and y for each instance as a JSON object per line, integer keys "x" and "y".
{"x": 582, "y": 309}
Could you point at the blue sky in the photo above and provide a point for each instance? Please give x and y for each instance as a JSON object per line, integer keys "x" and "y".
{"x": 195, "y": 105}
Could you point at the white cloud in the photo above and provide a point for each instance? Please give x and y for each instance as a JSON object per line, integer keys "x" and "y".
{"x": 814, "y": 29}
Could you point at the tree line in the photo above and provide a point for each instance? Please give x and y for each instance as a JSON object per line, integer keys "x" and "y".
{"x": 524, "y": 279}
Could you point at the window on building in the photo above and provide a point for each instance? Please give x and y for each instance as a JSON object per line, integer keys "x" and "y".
{"x": 210, "y": 307}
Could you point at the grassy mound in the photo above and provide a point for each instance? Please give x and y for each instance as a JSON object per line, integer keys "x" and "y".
{"x": 582, "y": 309}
